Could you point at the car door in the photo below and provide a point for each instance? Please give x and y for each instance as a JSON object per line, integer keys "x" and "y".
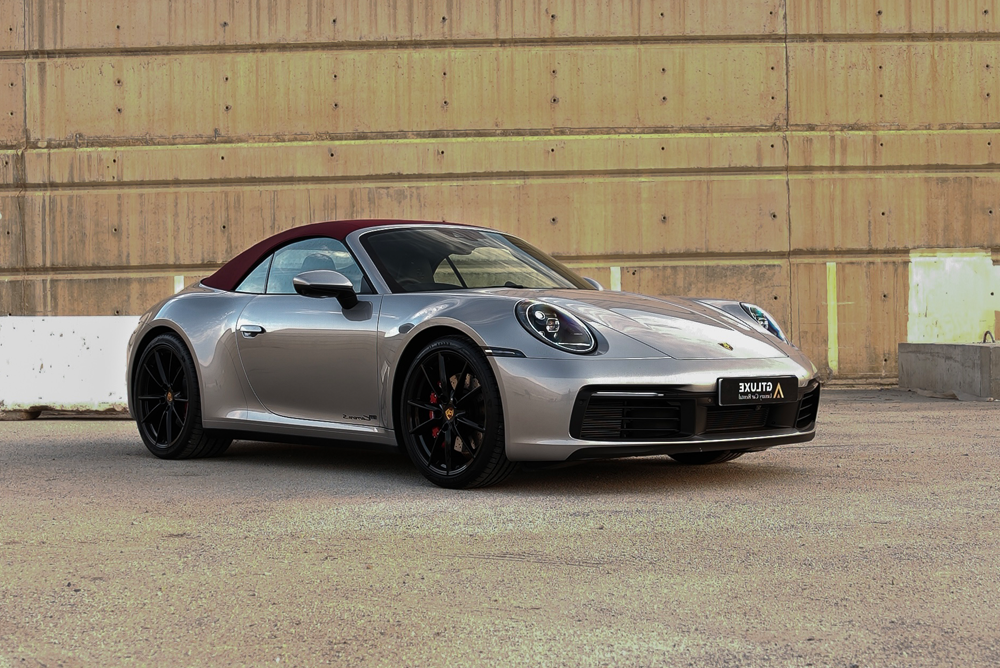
{"x": 307, "y": 357}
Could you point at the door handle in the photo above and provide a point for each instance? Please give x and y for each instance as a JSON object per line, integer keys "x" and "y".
{"x": 250, "y": 331}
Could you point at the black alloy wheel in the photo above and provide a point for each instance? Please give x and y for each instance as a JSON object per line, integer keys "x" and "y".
{"x": 452, "y": 418}
{"x": 168, "y": 403}
{"x": 700, "y": 458}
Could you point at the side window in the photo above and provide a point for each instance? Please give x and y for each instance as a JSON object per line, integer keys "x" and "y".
{"x": 308, "y": 255}
{"x": 255, "y": 280}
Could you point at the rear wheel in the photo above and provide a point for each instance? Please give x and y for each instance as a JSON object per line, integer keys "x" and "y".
{"x": 451, "y": 417}
{"x": 168, "y": 403}
{"x": 699, "y": 458}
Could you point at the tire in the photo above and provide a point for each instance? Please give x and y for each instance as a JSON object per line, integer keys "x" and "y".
{"x": 168, "y": 403}
{"x": 451, "y": 417}
{"x": 702, "y": 458}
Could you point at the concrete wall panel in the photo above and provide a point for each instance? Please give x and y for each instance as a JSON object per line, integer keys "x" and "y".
{"x": 863, "y": 84}
{"x": 126, "y": 24}
{"x": 822, "y": 17}
{"x": 313, "y": 94}
{"x": 868, "y": 212}
{"x": 570, "y": 217}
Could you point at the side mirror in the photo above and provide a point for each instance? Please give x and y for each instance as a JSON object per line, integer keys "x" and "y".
{"x": 326, "y": 283}
{"x": 596, "y": 285}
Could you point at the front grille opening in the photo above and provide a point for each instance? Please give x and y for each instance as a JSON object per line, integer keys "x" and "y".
{"x": 652, "y": 413}
{"x": 736, "y": 418}
{"x": 632, "y": 419}
{"x": 808, "y": 409}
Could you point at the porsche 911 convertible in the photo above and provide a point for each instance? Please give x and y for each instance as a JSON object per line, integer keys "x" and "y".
{"x": 466, "y": 347}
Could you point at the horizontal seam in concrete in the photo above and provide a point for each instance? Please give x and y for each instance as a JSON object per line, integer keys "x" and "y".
{"x": 664, "y": 132}
{"x": 687, "y": 258}
{"x": 414, "y": 179}
{"x": 775, "y": 38}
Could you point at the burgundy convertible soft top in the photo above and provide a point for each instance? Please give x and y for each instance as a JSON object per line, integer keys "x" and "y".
{"x": 230, "y": 274}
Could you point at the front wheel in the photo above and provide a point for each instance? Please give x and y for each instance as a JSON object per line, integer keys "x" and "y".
{"x": 700, "y": 458}
{"x": 168, "y": 403}
{"x": 451, "y": 417}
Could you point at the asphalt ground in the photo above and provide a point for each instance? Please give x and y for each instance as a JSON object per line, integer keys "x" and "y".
{"x": 874, "y": 545}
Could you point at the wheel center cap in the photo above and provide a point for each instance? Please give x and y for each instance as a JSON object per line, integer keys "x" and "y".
{"x": 170, "y": 396}
{"x": 449, "y": 413}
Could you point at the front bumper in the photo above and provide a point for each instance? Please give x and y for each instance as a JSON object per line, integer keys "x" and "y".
{"x": 542, "y": 406}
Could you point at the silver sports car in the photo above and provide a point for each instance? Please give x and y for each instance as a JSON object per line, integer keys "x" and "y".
{"x": 466, "y": 347}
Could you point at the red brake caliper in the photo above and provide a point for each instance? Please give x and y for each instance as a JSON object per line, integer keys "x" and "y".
{"x": 434, "y": 430}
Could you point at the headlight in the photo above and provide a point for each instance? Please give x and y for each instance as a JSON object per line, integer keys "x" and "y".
{"x": 764, "y": 319}
{"x": 555, "y": 327}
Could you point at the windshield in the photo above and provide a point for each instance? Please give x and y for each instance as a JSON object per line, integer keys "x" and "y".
{"x": 427, "y": 259}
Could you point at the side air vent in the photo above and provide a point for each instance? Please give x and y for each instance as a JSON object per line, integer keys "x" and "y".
{"x": 808, "y": 408}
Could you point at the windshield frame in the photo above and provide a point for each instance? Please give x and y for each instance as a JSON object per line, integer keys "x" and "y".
{"x": 538, "y": 260}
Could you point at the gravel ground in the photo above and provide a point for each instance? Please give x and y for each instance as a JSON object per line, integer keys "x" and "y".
{"x": 874, "y": 545}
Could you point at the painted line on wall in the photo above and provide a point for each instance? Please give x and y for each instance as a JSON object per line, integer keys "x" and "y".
{"x": 833, "y": 326}
{"x": 616, "y": 279}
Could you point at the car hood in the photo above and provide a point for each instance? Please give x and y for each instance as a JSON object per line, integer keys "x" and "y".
{"x": 678, "y": 328}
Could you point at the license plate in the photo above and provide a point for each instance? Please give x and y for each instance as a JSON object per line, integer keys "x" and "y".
{"x": 737, "y": 391}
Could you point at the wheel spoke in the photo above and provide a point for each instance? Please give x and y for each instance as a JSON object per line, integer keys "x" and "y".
{"x": 434, "y": 388}
{"x": 150, "y": 397}
{"x": 434, "y": 448}
{"x": 449, "y": 443}
{"x": 423, "y": 424}
{"x": 423, "y": 406}
{"x": 159, "y": 367}
{"x": 460, "y": 377}
{"x": 177, "y": 375}
{"x": 149, "y": 413}
{"x": 159, "y": 427}
{"x": 170, "y": 422}
{"x": 472, "y": 425}
{"x": 152, "y": 374}
{"x": 468, "y": 443}
{"x": 468, "y": 394}
{"x": 443, "y": 373}
{"x": 180, "y": 420}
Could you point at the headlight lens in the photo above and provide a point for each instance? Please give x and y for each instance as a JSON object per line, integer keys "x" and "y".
{"x": 764, "y": 319}
{"x": 556, "y": 327}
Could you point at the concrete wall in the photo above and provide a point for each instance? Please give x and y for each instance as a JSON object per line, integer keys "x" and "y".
{"x": 794, "y": 153}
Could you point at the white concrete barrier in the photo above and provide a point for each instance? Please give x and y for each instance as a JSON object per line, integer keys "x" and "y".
{"x": 63, "y": 363}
